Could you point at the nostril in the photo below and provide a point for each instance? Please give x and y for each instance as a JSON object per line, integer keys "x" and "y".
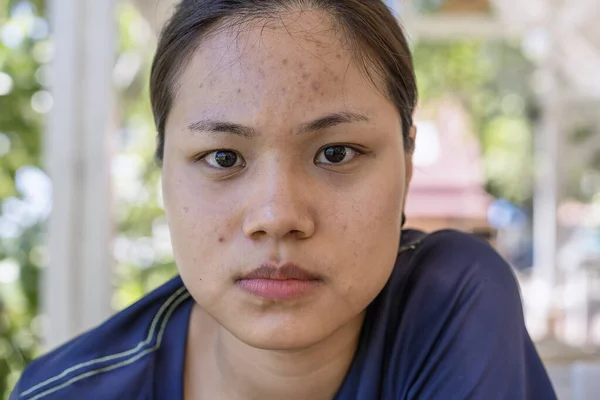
{"x": 258, "y": 235}
{"x": 298, "y": 234}
{"x": 278, "y": 222}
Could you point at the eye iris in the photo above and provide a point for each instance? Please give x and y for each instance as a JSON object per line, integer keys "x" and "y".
{"x": 226, "y": 159}
{"x": 335, "y": 154}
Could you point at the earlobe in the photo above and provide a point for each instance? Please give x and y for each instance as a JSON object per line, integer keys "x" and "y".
{"x": 412, "y": 134}
{"x": 408, "y": 164}
{"x": 408, "y": 159}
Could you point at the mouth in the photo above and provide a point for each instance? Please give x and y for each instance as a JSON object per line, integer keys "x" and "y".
{"x": 285, "y": 282}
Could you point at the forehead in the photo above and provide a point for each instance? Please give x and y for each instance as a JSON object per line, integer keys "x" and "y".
{"x": 276, "y": 70}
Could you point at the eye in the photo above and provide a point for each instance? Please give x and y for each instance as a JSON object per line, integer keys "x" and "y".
{"x": 223, "y": 159}
{"x": 336, "y": 155}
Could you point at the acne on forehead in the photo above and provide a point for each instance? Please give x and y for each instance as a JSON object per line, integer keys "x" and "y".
{"x": 258, "y": 71}
{"x": 261, "y": 72}
{"x": 304, "y": 80}
{"x": 244, "y": 43}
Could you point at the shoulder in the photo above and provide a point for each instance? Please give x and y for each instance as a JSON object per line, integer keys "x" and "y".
{"x": 450, "y": 260}
{"x": 123, "y": 340}
{"x": 448, "y": 271}
{"x": 450, "y": 324}
{"x": 455, "y": 309}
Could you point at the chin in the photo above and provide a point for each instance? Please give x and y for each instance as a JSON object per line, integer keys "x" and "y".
{"x": 281, "y": 342}
{"x": 281, "y": 335}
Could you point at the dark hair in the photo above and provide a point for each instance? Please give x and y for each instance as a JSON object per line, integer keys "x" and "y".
{"x": 376, "y": 38}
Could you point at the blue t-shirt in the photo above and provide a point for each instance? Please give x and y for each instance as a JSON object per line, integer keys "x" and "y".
{"x": 448, "y": 325}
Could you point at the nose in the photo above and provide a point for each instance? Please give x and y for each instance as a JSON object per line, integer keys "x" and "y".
{"x": 277, "y": 208}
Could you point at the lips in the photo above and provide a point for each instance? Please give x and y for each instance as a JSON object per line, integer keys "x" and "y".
{"x": 284, "y": 282}
{"x": 282, "y": 272}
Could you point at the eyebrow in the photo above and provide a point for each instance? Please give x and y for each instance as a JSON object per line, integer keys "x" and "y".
{"x": 328, "y": 121}
{"x": 331, "y": 120}
{"x": 209, "y": 125}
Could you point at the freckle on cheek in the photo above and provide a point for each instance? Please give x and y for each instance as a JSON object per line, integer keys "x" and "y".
{"x": 221, "y": 239}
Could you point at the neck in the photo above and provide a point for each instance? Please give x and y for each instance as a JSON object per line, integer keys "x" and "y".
{"x": 244, "y": 372}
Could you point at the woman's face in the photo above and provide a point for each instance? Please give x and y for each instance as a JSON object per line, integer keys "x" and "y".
{"x": 279, "y": 153}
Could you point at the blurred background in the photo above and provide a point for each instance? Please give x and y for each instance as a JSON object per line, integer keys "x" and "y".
{"x": 508, "y": 148}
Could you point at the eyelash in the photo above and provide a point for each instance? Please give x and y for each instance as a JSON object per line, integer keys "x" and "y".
{"x": 355, "y": 148}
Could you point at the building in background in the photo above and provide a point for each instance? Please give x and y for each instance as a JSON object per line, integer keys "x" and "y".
{"x": 447, "y": 188}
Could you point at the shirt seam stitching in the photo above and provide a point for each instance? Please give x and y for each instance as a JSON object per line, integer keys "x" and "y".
{"x": 135, "y": 353}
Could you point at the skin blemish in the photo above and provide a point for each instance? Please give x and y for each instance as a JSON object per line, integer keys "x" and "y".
{"x": 221, "y": 239}
{"x": 316, "y": 86}
{"x": 305, "y": 75}
{"x": 212, "y": 83}
{"x": 338, "y": 56}
{"x": 320, "y": 44}
{"x": 285, "y": 61}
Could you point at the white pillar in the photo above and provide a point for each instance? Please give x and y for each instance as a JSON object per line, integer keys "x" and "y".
{"x": 546, "y": 186}
{"x": 546, "y": 189}
{"x": 76, "y": 286}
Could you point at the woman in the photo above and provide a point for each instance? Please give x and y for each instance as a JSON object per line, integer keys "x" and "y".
{"x": 285, "y": 135}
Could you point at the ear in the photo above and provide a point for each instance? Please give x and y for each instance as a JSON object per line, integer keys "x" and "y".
{"x": 408, "y": 155}
{"x": 408, "y": 165}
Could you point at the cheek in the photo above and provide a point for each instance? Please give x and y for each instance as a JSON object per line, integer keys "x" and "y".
{"x": 365, "y": 234}
{"x": 374, "y": 228}
{"x": 374, "y": 207}
{"x": 199, "y": 218}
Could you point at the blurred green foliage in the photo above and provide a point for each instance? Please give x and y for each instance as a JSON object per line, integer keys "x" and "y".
{"x": 23, "y": 51}
{"x": 491, "y": 78}
{"x": 142, "y": 247}
{"x": 17, "y": 119}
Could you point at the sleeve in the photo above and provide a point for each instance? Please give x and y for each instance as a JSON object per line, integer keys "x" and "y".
{"x": 467, "y": 336}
